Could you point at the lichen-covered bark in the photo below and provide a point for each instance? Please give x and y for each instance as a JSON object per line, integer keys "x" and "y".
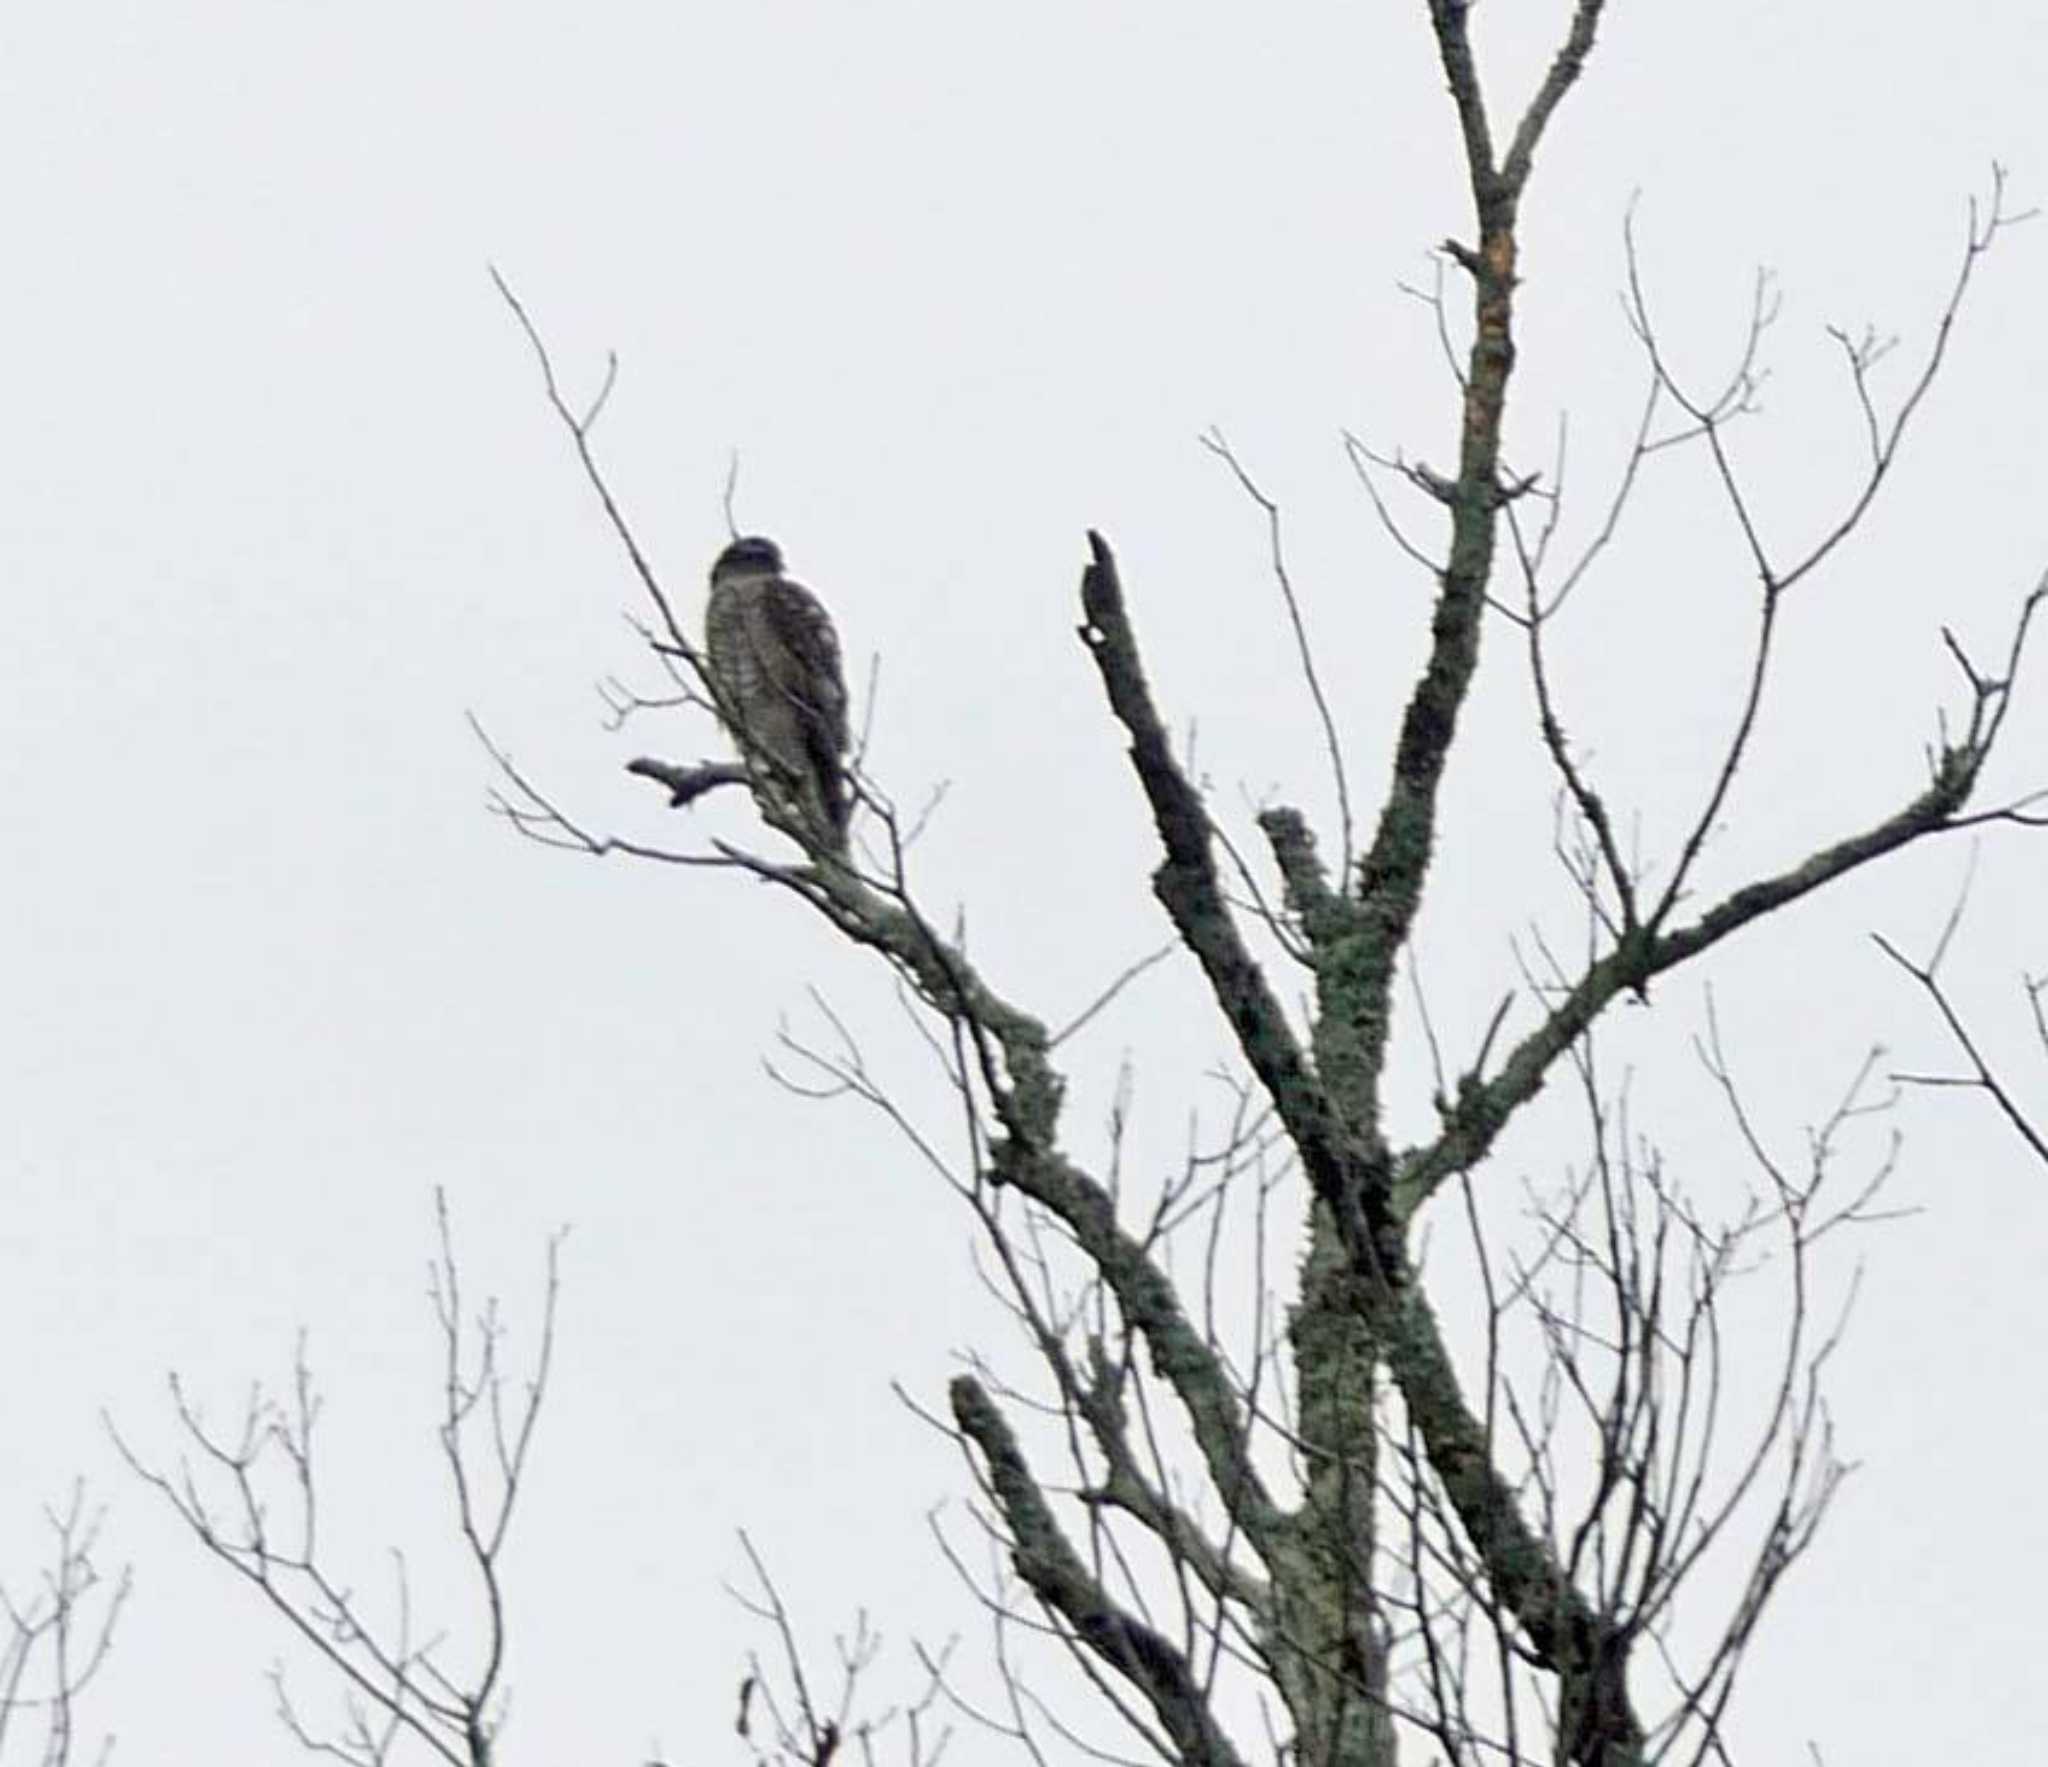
{"x": 1152, "y": 1664}
{"x": 1026, "y": 1092}
{"x": 1360, "y": 1306}
{"x": 1483, "y": 1110}
{"x": 1589, "y": 1658}
{"x": 1332, "y": 1648}
{"x": 1361, "y": 1328}
{"x": 1327, "y": 1642}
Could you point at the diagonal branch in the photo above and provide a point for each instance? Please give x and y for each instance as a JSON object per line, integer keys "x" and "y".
{"x": 1597, "y": 1725}
{"x": 1484, "y": 1108}
{"x": 1454, "y": 48}
{"x": 1982, "y": 1076}
{"x": 1054, "y": 1571}
{"x": 1025, "y": 1093}
{"x": 1188, "y": 887}
{"x": 1566, "y": 68}
{"x": 1125, "y": 1487}
{"x": 1216, "y": 445}
{"x": 579, "y": 425}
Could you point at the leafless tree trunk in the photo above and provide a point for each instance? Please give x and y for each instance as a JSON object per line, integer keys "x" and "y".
{"x": 1334, "y": 1525}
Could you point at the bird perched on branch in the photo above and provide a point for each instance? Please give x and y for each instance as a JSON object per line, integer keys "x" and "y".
{"x": 774, "y": 664}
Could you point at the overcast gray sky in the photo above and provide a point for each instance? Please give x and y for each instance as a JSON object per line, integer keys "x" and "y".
{"x": 279, "y": 501}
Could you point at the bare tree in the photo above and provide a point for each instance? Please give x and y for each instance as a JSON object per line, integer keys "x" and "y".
{"x": 1301, "y": 1516}
{"x": 250, "y": 1496}
{"x": 57, "y": 1636}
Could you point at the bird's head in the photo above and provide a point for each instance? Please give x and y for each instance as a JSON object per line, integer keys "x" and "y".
{"x": 749, "y": 556}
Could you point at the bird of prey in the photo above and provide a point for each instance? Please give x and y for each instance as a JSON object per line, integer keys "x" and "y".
{"x": 774, "y": 664}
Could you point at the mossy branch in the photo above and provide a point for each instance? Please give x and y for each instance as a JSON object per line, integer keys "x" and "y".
{"x": 1054, "y": 1572}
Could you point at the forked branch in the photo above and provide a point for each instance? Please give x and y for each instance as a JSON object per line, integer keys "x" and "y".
{"x": 251, "y": 1497}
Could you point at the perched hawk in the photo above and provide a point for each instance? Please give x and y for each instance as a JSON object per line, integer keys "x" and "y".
{"x": 775, "y": 661}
